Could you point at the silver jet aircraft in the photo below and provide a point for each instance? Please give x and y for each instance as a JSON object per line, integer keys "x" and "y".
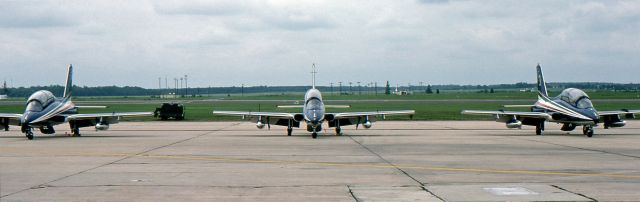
{"x": 571, "y": 108}
{"x": 44, "y": 110}
{"x": 313, "y": 115}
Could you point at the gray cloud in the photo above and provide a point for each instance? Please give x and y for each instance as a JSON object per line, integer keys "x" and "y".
{"x": 32, "y": 14}
{"x": 274, "y": 42}
{"x": 433, "y": 1}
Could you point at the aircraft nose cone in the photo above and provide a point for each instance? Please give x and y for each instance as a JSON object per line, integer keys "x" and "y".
{"x": 595, "y": 117}
{"x": 28, "y": 118}
{"x": 25, "y": 118}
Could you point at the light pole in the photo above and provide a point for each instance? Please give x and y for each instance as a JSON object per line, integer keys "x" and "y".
{"x": 340, "y": 87}
{"x": 175, "y": 91}
{"x": 376, "y": 87}
{"x": 331, "y": 88}
{"x": 181, "y": 85}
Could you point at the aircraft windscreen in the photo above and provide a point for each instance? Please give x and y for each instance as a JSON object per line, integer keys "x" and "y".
{"x": 314, "y": 104}
{"x": 584, "y": 103}
{"x": 34, "y": 106}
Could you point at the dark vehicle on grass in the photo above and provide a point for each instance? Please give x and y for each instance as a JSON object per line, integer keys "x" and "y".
{"x": 170, "y": 110}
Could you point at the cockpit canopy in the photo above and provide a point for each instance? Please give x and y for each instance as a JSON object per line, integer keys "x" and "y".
{"x": 576, "y": 97}
{"x": 38, "y": 100}
{"x": 314, "y": 104}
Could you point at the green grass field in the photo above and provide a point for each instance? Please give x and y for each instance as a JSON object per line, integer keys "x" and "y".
{"x": 445, "y": 106}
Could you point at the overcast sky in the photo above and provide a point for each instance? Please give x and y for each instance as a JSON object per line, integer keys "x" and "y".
{"x": 224, "y": 43}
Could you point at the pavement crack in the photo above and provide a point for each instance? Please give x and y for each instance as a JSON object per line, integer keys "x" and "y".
{"x": 433, "y": 194}
{"x": 352, "y": 194}
{"x": 581, "y": 148}
{"x": 576, "y": 193}
{"x": 386, "y": 161}
{"x": 121, "y": 159}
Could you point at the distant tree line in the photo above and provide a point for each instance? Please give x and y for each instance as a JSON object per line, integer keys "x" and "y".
{"x": 386, "y": 89}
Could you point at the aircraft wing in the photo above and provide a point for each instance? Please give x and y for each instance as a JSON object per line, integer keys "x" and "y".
{"x": 271, "y": 118}
{"x": 619, "y": 112}
{"x": 509, "y": 113}
{"x": 254, "y": 114}
{"x": 377, "y": 113}
{"x": 357, "y": 118}
{"x": 107, "y": 115}
{"x": 86, "y": 120}
{"x": 10, "y": 116}
{"x": 9, "y": 119}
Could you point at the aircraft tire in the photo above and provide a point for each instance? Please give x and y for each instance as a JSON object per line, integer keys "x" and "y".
{"x": 540, "y": 128}
{"x": 76, "y": 132}
{"x": 588, "y": 131}
{"x": 314, "y": 135}
{"x": 30, "y": 135}
{"x": 289, "y": 130}
{"x": 338, "y": 132}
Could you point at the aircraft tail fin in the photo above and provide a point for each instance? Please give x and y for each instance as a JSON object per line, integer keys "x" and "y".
{"x": 69, "y": 83}
{"x": 542, "y": 86}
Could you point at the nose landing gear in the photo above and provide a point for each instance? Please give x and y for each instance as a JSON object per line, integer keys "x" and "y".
{"x": 28, "y": 131}
{"x": 29, "y": 134}
{"x": 588, "y": 131}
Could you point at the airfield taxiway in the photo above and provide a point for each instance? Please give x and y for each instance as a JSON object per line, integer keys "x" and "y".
{"x": 393, "y": 161}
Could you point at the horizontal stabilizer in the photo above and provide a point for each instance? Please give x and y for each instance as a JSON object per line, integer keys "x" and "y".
{"x": 518, "y": 106}
{"x": 91, "y": 107}
{"x": 326, "y": 106}
{"x": 337, "y": 106}
{"x": 290, "y": 106}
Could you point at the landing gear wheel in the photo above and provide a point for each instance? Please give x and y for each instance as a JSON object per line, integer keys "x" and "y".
{"x": 588, "y": 131}
{"x": 540, "y": 128}
{"x": 76, "y": 132}
{"x": 29, "y": 135}
{"x": 289, "y": 130}
{"x": 338, "y": 132}
{"x": 314, "y": 135}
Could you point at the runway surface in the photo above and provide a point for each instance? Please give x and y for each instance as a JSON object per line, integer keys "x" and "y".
{"x": 393, "y": 161}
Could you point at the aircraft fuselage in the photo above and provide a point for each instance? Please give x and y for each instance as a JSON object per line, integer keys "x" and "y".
{"x": 44, "y": 110}
{"x": 313, "y": 110}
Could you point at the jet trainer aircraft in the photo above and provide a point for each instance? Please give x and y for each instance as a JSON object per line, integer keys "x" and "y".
{"x": 571, "y": 108}
{"x": 43, "y": 110}
{"x": 313, "y": 114}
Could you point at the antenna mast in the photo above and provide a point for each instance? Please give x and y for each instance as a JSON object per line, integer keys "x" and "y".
{"x": 313, "y": 75}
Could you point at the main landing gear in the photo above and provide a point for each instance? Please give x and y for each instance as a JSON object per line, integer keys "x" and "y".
{"x": 338, "y": 131}
{"x": 75, "y": 130}
{"x": 539, "y": 128}
{"x": 289, "y": 130}
{"x": 588, "y": 131}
